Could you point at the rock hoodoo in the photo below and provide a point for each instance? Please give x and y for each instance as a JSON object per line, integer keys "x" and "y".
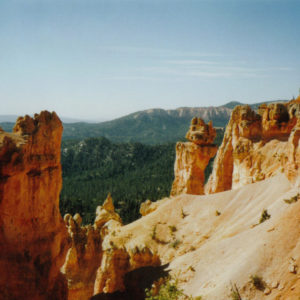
{"x": 85, "y": 255}
{"x": 83, "y": 258}
{"x": 193, "y": 157}
{"x": 97, "y": 261}
{"x": 33, "y": 238}
{"x": 257, "y": 146}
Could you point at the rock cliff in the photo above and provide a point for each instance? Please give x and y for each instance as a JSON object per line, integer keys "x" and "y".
{"x": 33, "y": 238}
{"x": 257, "y": 146}
{"x": 193, "y": 157}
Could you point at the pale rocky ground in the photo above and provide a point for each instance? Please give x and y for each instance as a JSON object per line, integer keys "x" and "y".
{"x": 214, "y": 251}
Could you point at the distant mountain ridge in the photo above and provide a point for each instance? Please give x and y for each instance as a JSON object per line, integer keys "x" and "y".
{"x": 151, "y": 126}
{"x": 13, "y": 118}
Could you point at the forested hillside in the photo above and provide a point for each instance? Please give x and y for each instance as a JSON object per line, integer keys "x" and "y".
{"x": 151, "y": 126}
{"x": 131, "y": 172}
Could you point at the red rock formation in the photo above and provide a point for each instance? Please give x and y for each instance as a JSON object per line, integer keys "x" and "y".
{"x": 85, "y": 255}
{"x": 96, "y": 263}
{"x": 200, "y": 133}
{"x": 257, "y": 146}
{"x": 193, "y": 157}
{"x": 83, "y": 258}
{"x": 116, "y": 262}
{"x": 33, "y": 238}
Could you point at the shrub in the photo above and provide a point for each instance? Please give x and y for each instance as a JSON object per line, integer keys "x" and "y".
{"x": 257, "y": 282}
{"x": 235, "y": 294}
{"x": 218, "y": 213}
{"x": 192, "y": 268}
{"x": 294, "y": 199}
{"x": 153, "y": 234}
{"x": 264, "y": 216}
{"x": 172, "y": 229}
{"x": 183, "y": 214}
{"x": 175, "y": 244}
{"x": 168, "y": 290}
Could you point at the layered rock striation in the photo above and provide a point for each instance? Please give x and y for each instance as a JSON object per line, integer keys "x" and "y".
{"x": 33, "y": 238}
{"x": 258, "y": 145}
{"x": 193, "y": 157}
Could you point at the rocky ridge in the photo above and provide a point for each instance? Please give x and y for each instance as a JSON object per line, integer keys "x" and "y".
{"x": 257, "y": 146}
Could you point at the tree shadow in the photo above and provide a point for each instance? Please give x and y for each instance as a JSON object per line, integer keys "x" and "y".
{"x": 136, "y": 282}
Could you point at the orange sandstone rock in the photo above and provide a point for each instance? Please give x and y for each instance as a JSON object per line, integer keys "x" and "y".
{"x": 201, "y": 133}
{"x": 97, "y": 261}
{"x": 106, "y": 212}
{"x": 83, "y": 258}
{"x": 33, "y": 238}
{"x": 257, "y": 146}
{"x": 193, "y": 157}
{"x": 85, "y": 255}
{"x": 117, "y": 261}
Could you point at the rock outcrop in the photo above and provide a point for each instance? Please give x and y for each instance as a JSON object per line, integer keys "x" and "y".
{"x": 33, "y": 237}
{"x": 148, "y": 207}
{"x": 119, "y": 260}
{"x": 200, "y": 133}
{"x": 193, "y": 157}
{"x": 97, "y": 262}
{"x": 257, "y": 146}
{"x": 85, "y": 255}
{"x": 83, "y": 258}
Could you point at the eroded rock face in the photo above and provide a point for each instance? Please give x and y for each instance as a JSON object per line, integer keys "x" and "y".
{"x": 200, "y": 133}
{"x": 193, "y": 157}
{"x": 97, "y": 262}
{"x": 117, "y": 261}
{"x": 83, "y": 258}
{"x": 106, "y": 212}
{"x": 33, "y": 237}
{"x": 257, "y": 146}
{"x": 85, "y": 255}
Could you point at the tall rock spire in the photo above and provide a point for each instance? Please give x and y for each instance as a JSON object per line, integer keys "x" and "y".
{"x": 33, "y": 237}
{"x": 193, "y": 157}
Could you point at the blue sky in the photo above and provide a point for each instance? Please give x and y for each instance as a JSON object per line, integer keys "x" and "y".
{"x": 103, "y": 59}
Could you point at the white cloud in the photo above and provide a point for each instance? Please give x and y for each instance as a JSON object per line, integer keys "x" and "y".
{"x": 189, "y": 62}
{"x": 157, "y": 51}
{"x": 173, "y": 64}
{"x": 209, "y": 69}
